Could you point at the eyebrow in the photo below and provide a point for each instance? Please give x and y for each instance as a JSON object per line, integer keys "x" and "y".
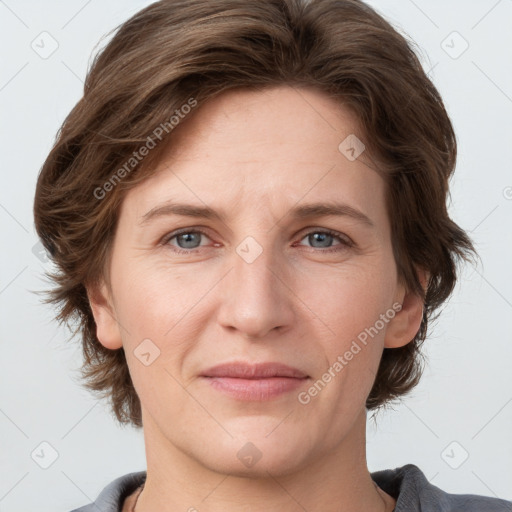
{"x": 299, "y": 212}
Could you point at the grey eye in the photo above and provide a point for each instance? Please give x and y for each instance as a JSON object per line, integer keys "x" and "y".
{"x": 189, "y": 240}
{"x": 324, "y": 239}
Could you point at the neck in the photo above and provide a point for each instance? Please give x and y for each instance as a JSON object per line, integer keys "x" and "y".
{"x": 338, "y": 481}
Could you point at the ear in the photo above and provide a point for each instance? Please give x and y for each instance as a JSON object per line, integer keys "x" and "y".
{"x": 107, "y": 328}
{"x": 406, "y": 323}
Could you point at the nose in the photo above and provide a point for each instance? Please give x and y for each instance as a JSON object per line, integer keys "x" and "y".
{"x": 256, "y": 297}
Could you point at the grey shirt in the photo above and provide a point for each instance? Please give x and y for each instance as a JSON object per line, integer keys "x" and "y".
{"x": 407, "y": 484}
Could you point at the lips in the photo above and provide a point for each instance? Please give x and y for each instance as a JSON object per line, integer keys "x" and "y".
{"x": 254, "y": 371}
{"x": 254, "y": 382}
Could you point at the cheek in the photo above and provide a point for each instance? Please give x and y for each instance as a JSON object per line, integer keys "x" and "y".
{"x": 162, "y": 311}
{"x": 349, "y": 299}
{"x": 152, "y": 298}
{"x": 153, "y": 306}
{"x": 350, "y": 334}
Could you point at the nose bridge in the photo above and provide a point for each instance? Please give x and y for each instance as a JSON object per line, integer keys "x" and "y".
{"x": 255, "y": 299}
{"x": 253, "y": 264}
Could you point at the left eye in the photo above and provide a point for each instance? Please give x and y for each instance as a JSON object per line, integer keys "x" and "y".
{"x": 325, "y": 239}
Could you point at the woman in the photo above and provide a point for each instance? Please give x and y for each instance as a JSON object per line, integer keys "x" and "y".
{"x": 248, "y": 213}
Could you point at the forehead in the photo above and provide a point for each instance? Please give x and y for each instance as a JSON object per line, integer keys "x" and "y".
{"x": 265, "y": 122}
{"x": 263, "y": 149}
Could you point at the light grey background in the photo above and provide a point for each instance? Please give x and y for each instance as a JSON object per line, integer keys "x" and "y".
{"x": 462, "y": 407}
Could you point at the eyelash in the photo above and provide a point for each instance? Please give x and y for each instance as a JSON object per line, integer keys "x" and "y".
{"x": 345, "y": 241}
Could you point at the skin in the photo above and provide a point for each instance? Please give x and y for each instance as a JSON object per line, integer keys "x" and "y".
{"x": 254, "y": 156}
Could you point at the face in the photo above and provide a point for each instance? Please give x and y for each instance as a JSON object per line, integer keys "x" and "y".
{"x": 257, "y": 245}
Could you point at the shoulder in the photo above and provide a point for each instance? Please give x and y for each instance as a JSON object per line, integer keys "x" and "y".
{"x": 414, "y": 493}
{"x": 112, "y": 497}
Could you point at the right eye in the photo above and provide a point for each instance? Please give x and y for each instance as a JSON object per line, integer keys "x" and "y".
{"x": 187, "y": 240}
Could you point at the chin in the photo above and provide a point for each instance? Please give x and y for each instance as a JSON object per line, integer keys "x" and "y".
{"x": 256, "y": 454}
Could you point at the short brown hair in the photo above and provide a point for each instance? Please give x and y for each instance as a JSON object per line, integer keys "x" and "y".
{"x": 175, "y": 50}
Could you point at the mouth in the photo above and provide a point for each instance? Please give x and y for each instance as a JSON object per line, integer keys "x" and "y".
{"x": 254, "y": 382}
